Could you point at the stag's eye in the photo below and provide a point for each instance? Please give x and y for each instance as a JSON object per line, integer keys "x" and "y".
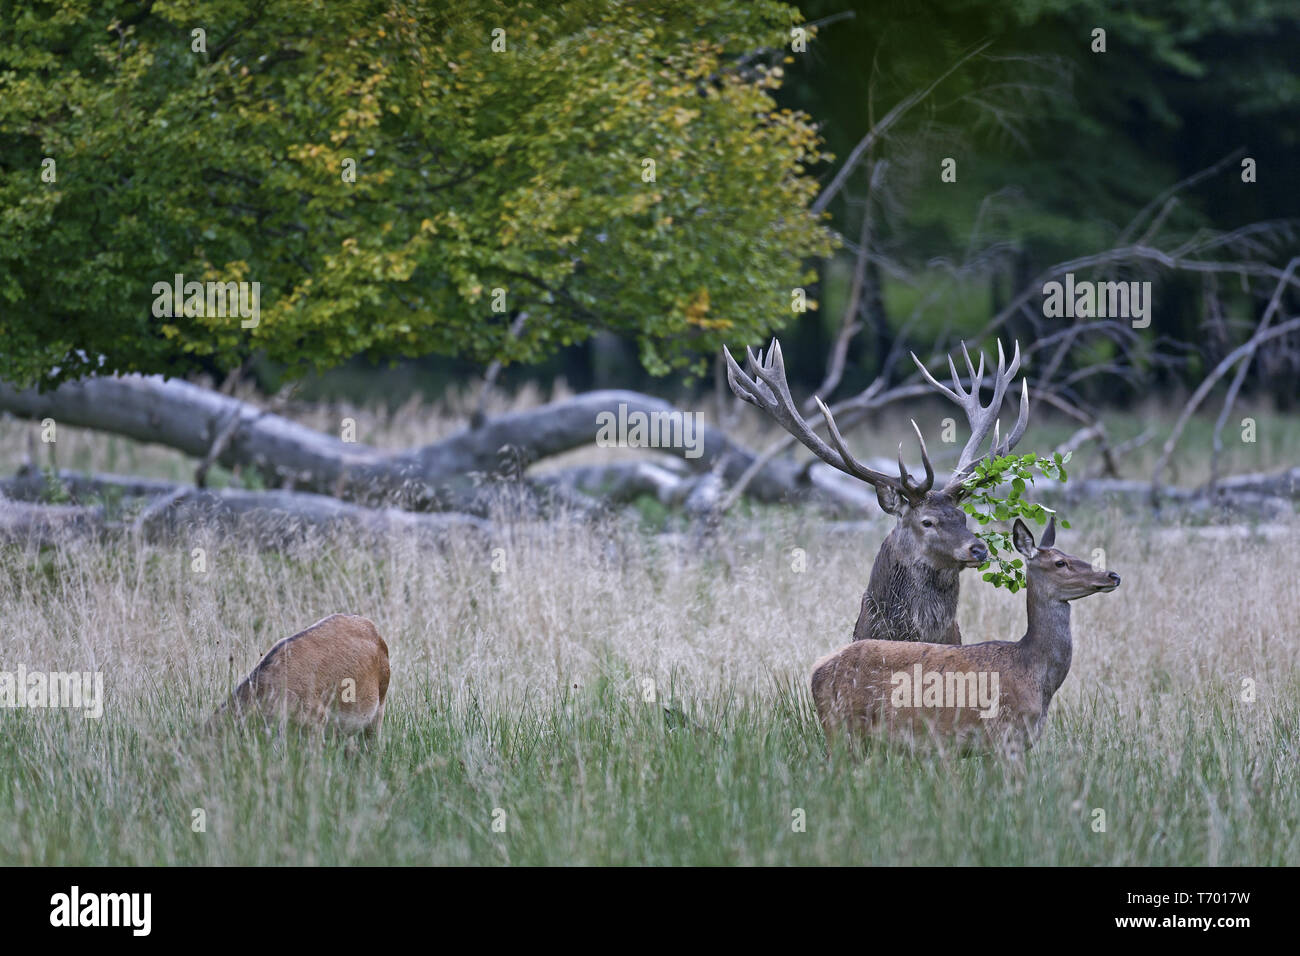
{"x": 927, "y": 523}
{"x": 1060, "y": 564}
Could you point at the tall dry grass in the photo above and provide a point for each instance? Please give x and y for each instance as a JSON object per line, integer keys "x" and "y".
{"x": 520, "y": 675}
{"x": 523, "y": 689}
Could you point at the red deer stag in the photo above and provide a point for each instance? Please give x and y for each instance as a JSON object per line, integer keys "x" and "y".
{"x": 978, "y": 697}
{"x": 912, "y": 592}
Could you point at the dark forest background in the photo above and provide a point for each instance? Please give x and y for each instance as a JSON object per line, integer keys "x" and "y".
{"x": 1058, "y": 149}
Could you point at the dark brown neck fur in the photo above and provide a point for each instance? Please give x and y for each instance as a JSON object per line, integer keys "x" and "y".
{"x": 909, "y": 601}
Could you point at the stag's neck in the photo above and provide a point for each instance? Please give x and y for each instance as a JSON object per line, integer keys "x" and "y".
{"x": 1047, "y": 641}
{"x": 909, "y": 600}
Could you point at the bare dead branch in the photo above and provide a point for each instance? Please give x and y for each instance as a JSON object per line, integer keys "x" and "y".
{"x": 1236, "y": 355}
{"x": 1231, "y": 398}
{"x": 889, "y": 119}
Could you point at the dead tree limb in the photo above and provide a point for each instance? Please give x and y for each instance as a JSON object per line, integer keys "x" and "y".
{"x": 451, "y": 474}
{"x": 219, "y": 443}
{"x": 1236, "y": 355}
{"x": 886, "y": 122}
{"x": 271, "y": 518}
{"x": 1231, "y": 398}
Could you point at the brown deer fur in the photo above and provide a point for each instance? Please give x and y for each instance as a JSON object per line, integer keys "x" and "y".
{"x": 859, "y": 693}
{"x": 333, "y": 675}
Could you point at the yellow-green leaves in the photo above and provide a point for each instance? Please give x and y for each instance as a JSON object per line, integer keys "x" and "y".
{"x": 396, "y": 185}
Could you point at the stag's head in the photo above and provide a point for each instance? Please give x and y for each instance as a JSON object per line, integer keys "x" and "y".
{"x": 931, "y": 523}
{"x": 1055, "y": 575}
{"x": 933, "y": 528}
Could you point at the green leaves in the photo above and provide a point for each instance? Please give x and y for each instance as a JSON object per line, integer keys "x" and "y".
{"x": 986, "y": 506}
{"x": 488, "y": 183}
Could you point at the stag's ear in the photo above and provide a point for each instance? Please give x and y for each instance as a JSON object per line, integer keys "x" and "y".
{"x": 1049, "y": 536}
{"x": 1024, "y": 539}
{"x": 891, "y": 502}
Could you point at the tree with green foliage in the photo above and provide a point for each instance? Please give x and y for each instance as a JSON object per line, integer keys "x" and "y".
{"x": 494, "y": 182}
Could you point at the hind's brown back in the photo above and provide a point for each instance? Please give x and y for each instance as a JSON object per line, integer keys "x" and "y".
{"x": 334, "y": 673}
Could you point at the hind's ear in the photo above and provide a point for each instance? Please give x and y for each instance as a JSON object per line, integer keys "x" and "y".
{"x": 1023, "y": 539}
{"x": 891, "y": 502}
{"x": 1049, "y": 536}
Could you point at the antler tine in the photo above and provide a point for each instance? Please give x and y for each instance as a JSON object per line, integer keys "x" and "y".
{"x": 1022, "y": 420}
{"x": 904, "y": 476}
{"x": 1005, "y": 373}
{"x": 744, "y": 386}
{"x": 916, "y": 489}
{"x": 1000, "y": 382}
{"x": 1015, "y": 362}
{"x": 753, "y": 379}
{"x": 766, "y": 387}
{"x": 851, "y": 465}
{"x": 735, "y": 376}
{"x": 1022, "y": 417}
{"x": 925, "y": 372}
{"x": 976, "y": 378}
{"x": 925, "y": 460}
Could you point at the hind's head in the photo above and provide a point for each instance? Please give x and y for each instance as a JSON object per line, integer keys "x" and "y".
{"x": 1052, "y": 573}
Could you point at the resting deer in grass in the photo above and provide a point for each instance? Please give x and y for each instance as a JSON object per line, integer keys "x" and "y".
{"x": 332, "y": 676}
{"x": 978, "y": 696}
{"x": 912, "y": 592}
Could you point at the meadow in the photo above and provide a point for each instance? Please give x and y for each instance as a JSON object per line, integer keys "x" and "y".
{"x": 604, "y": 695}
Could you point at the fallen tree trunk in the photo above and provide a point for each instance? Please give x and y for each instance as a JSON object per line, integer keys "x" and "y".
{"x": 163, "y": 511}
{"x": 31, "y": 484}
{"x": 625, "y": 482}
{"x": 271, "y": 518}
{"x": 475, "y": 469}
{"x": 50, "y": 524}
{"x": 1252, "y": 496}
{"x": 675, "y": 486}
{"x": 1282, "y": 484}
{"x": 444, "y": 475}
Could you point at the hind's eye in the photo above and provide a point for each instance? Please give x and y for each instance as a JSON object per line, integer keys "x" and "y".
{"x": 1060, "y": 564}
{"x": 927, "y": 523}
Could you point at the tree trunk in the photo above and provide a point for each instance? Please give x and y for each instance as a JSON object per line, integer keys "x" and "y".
{"x": 272, "y": 519}
{"x": 446, "y": 475}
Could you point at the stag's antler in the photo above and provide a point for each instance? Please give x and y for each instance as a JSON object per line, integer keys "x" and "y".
{"x": 981, "y": 417}
{"x": 765, "y": 386}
